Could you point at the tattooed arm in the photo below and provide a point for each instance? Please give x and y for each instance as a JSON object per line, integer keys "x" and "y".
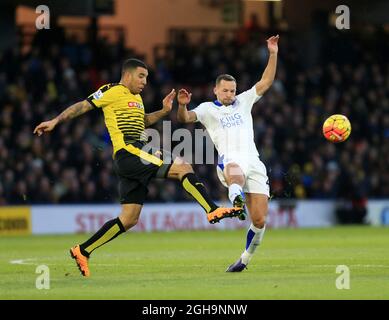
{"x": 73, "y": 111}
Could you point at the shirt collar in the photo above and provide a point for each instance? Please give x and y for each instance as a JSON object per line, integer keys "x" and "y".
{"x": 219, "y": 104}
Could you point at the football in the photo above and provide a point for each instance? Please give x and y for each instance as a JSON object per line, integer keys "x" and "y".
{"x": 336, "y": 128}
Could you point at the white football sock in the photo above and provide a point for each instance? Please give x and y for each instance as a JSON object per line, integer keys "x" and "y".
{"x": 254, "y": 238}
{"x": 233, "y": 191}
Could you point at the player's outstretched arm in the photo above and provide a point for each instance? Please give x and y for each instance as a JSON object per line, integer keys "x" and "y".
{"x": 167, "y": 104}
{"x": 270, "y": 71}
{"x": 183, "y": 115}
{"x": 71, "y": 112}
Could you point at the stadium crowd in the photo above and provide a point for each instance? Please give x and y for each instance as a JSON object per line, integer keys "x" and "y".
{"x": 73, "y": 164}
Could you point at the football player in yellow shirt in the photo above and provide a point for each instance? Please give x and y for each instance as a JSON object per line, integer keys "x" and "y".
{"x": 125, "y": 119}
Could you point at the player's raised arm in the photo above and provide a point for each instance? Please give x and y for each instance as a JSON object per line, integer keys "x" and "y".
{"x": 270, "y": 71}
{"x": 71, "y": 112}
{"x": 167, "y": 104}
{"x": 183, "y": 115}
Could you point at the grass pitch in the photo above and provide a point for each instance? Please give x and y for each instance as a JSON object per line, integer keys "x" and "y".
{"x": 290, "y": 264}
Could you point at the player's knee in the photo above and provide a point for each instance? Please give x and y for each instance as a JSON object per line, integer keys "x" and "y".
{"x": 234, "y": 174}
{"x": 129, "y": 222}
{"x": 128, "y": 219}
{"x": 186, "y": 168}
{"x": 179, "y": 169}
{"x": 236, "y": 179}
{"x": 259, "y": 221}
{"x": 182, "y": 167}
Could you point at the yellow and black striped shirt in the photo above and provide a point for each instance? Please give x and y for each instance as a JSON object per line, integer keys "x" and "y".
{"x": 123, "y": 114}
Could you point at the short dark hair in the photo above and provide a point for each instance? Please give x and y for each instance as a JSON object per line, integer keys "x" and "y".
{"x": 131, "y": 64}
{"x": 225, "y": 77}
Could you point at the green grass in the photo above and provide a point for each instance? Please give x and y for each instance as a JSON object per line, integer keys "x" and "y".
{"x": 290, "y": 264}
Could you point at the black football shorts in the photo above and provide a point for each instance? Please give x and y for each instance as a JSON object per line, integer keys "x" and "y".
{"x": 136, "y": 167}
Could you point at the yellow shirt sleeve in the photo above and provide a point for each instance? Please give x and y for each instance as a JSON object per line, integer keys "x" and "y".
{"x": 101, "y": 97}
